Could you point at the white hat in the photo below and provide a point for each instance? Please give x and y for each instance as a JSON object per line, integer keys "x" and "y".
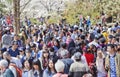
{"x": 4, "y": 63}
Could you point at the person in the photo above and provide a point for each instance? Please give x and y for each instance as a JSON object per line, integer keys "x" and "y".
{"x": 28, "y": 55}
{"x": 100, "y": 61}
{"x": 27, "y": 69}
{"x": 89, "y": 56}
{"x": 59, "y": 66}
{"x": 5, "y": 71}
{"x": 12, "y": 67}
{"x": 63, "y": 50}
{"x": 18, "y": 40}
{"x": 37, "y": 69}
{"x": 13, "y": 51}
{"x": 45, "y": 58}
{"x": 8, "y": 57}
{"x": 112, "y": 62}
{"x": 78, "y": 69}
{"x": 6, "y": 39}
{"x": 50, "y": 70}
{"x": 22, "y": 53}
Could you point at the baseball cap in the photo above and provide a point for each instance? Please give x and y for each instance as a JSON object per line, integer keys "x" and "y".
{"x": 77, "y": 55}
{"x": 21, "y": 48}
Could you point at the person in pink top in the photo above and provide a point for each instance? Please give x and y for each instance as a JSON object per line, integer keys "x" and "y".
{"x": 59, "y": 66}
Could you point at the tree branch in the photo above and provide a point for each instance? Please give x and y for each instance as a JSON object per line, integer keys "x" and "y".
{"x": 24, "y": 6}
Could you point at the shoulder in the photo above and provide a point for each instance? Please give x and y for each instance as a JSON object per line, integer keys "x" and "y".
{"x": 63, "y": 75}
{"x": 8, "y": 71}
{"x": 46, "y": 70}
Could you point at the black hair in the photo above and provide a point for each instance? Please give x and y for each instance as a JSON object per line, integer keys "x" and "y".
{"x": 111, "y": 45}
{"x": 37, "y": 62}
{"x": 49, "y": 71}
{"x": 63, "y": 45}
{"x": 30, "y": 63}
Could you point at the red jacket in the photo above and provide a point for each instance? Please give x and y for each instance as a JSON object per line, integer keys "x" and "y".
{"x": 89, "y": 58}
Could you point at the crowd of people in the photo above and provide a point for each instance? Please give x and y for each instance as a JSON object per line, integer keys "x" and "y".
{"x": 58, "y": 50}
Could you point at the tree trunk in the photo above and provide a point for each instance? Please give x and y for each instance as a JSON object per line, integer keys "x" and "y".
{"x": 17, "y": 16}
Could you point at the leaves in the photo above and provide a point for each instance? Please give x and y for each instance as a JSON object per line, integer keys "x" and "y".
{"x": 91, "y": 8}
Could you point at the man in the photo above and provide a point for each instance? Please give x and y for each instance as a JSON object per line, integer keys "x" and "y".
{"x": 13, "y": 51}
{"x": 112, "y": 62}
{"x": 59, "y": 66}
{"x": 8, "y": 57}
{"x": 78, "y": 68}
{"x": 63, "y": 51}
{"x": 6, "y": 39}
{"x": 5, "y": 72}
{"x": 17, "y": 39}
{"x": 28, "y": 55}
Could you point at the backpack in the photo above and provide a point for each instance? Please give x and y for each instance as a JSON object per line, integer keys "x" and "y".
{"x": 18, "y": 70}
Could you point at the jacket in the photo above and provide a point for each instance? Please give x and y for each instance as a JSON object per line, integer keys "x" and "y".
{"x": 8, "y": 73}
{"x": 117, "y": 62}
{"x": 78, "y": 69}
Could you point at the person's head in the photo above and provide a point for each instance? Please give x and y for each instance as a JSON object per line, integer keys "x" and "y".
{"x": 100, "y": 53}
{"x": 33, "y": 46}
{"x": 77, "y": 56}
{"x": 110, "y": 38}
{"x": 3, "y": 65}
{"x": 59, "y": 66}
{"x": 27, "y": 64}
{"x": 51, "y": 64}
{"x": 93, "y": 48}
{"x": 22, "y": 52}
{"x": 14, "y": 44}
{"x": 35, "y": 37}
{"x": 37, "y": 66}
{"x": 63, "y": 45}
{"x": 56, "y": 43}
{"x": 44, "y": 46}
{"x": 45, "y": 54}
{"x": 110, "y": 48}
{"x": 96, "y": 38}
{"x": 113, "y": 40}
{"x": 16, "y": 37}
{"x": 6, "y": 55}
{"x": 28, "y": 52}
{"x": 51, "y": 51}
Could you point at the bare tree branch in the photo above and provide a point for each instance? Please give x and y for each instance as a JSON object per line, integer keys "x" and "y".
{"x": 24, "y": 6}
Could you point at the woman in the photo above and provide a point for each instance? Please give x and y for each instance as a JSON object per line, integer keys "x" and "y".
{"x": 56, "y": 45}
{"x": 100, "y": 64}
{"x": 37, "y": 70}
{"x": 27, "y": 69}
{"x": 45, "y": 58}
{"x": 50, "y": 70}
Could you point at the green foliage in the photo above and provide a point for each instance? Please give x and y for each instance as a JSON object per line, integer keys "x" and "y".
{"x": 34, "y": 21}
{"x": 92, "y": 9}
{"x": 2, "y": 7}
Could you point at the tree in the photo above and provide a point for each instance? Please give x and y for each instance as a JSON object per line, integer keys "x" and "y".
{"x": 51, "y": 5}
{"x": 17, "y": 11}
{"x": 93, "y": 8}
{"x": 17, "y": 15}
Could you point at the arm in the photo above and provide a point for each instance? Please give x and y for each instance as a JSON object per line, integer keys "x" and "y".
{"x": 71, "y": 73}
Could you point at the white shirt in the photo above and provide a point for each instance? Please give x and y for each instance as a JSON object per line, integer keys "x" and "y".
{"x": 16, "y": 61}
